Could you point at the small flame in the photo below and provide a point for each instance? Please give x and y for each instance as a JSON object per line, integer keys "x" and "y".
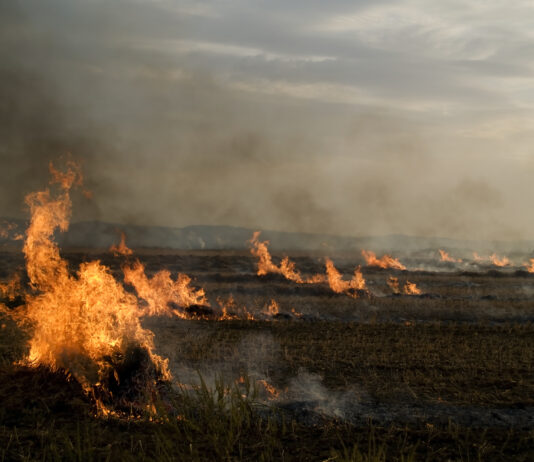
{"x": 493, "y": 258}
{"x": 261, "y": 251}
{"x": 410, "y": 288}
{"x": 287, "y": 267}
{"x": 272, "y": 392}
{"x": 339, "y": 285}
{"x": 530, "y": 267}
{"x": 296, "y": 313}
{"x": 447, "y": 258}
{"x": 78, "y": 320}
{"x": 273, "y": 308}
{"x": 385, "y": 262}
{"x": 122, "y": 248}
{"x": 229, "y": 310}
{"x": 504, "y": 261}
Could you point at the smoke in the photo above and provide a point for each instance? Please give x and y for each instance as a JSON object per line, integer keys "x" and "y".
{"x": 309, "y": 393}
{"x": 256, "y": 356}
{"x": 169, "y": 135}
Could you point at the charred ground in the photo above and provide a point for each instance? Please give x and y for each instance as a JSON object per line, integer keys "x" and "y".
{"x": 445, "y": 375}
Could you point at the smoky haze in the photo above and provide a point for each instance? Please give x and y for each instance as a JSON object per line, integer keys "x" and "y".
{"x": 363, "y": 118}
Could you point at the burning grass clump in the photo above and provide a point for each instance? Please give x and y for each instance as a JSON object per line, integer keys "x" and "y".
{"x": 83, "y": 322}
{"x": 132, "y": 382}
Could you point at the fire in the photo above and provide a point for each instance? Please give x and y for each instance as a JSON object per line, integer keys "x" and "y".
{"x": 339, "y": 285}
{"x": 261, "y": 251}
{"x": 261, "y": 385}
{"x": 504, "y": 261}
{"x": 530, "y": 267}
{"x": 83, "y": 322}
{"x": 122, "y": 248}
{"x": 447, "y": 258}
{"x": 296, "y": 313}
{"x": 11, "y": 289}
{"x": 288, "y": 270}
{"x": 385, "y": 262}
{"x": 163, "y": 295}
{"x": 230, "y": 310}
{"x": 227, "y": 308}
{"x": 272, "y": 392}
{"x": 287, "y": 267}
{"x": 411, "y": 289}
{"x": 493, "y": 258}
{"x": 272, "y": 309}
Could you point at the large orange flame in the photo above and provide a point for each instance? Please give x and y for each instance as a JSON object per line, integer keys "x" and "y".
{"x": 339, "y": 285}
{"x": 77, "y": 321}
{"x": 447, "y": 258}
{"x": 385, "y": 262}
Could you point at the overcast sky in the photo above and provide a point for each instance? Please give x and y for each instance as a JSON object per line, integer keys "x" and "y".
{"x": 350, "y": 117}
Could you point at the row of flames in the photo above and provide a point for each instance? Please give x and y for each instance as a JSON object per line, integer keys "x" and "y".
{"x": 354, "y": 287}
{"x": 78, "y": 321}
{"x": 493, "y": 259}
{"x": 83, "y": 321}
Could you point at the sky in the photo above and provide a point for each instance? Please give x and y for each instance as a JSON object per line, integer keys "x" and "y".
{"x": 344, "y": 117}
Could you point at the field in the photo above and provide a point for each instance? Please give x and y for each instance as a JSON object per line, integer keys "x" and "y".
{"x": 444, "y": 375}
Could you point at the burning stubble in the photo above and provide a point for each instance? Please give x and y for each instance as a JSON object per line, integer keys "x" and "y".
{"x": 86, "y": 323}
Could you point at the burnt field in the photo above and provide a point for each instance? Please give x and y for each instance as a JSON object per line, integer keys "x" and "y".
{"x": 443, "y": 375}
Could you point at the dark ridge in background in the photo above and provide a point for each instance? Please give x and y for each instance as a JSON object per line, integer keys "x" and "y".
{"x": 101, "y": 235}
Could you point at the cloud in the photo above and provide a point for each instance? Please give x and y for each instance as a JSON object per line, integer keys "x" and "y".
{"x": 345, "y": 117}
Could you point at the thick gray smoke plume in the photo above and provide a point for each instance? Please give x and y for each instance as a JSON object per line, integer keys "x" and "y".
{"x": 299, "y": 118}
